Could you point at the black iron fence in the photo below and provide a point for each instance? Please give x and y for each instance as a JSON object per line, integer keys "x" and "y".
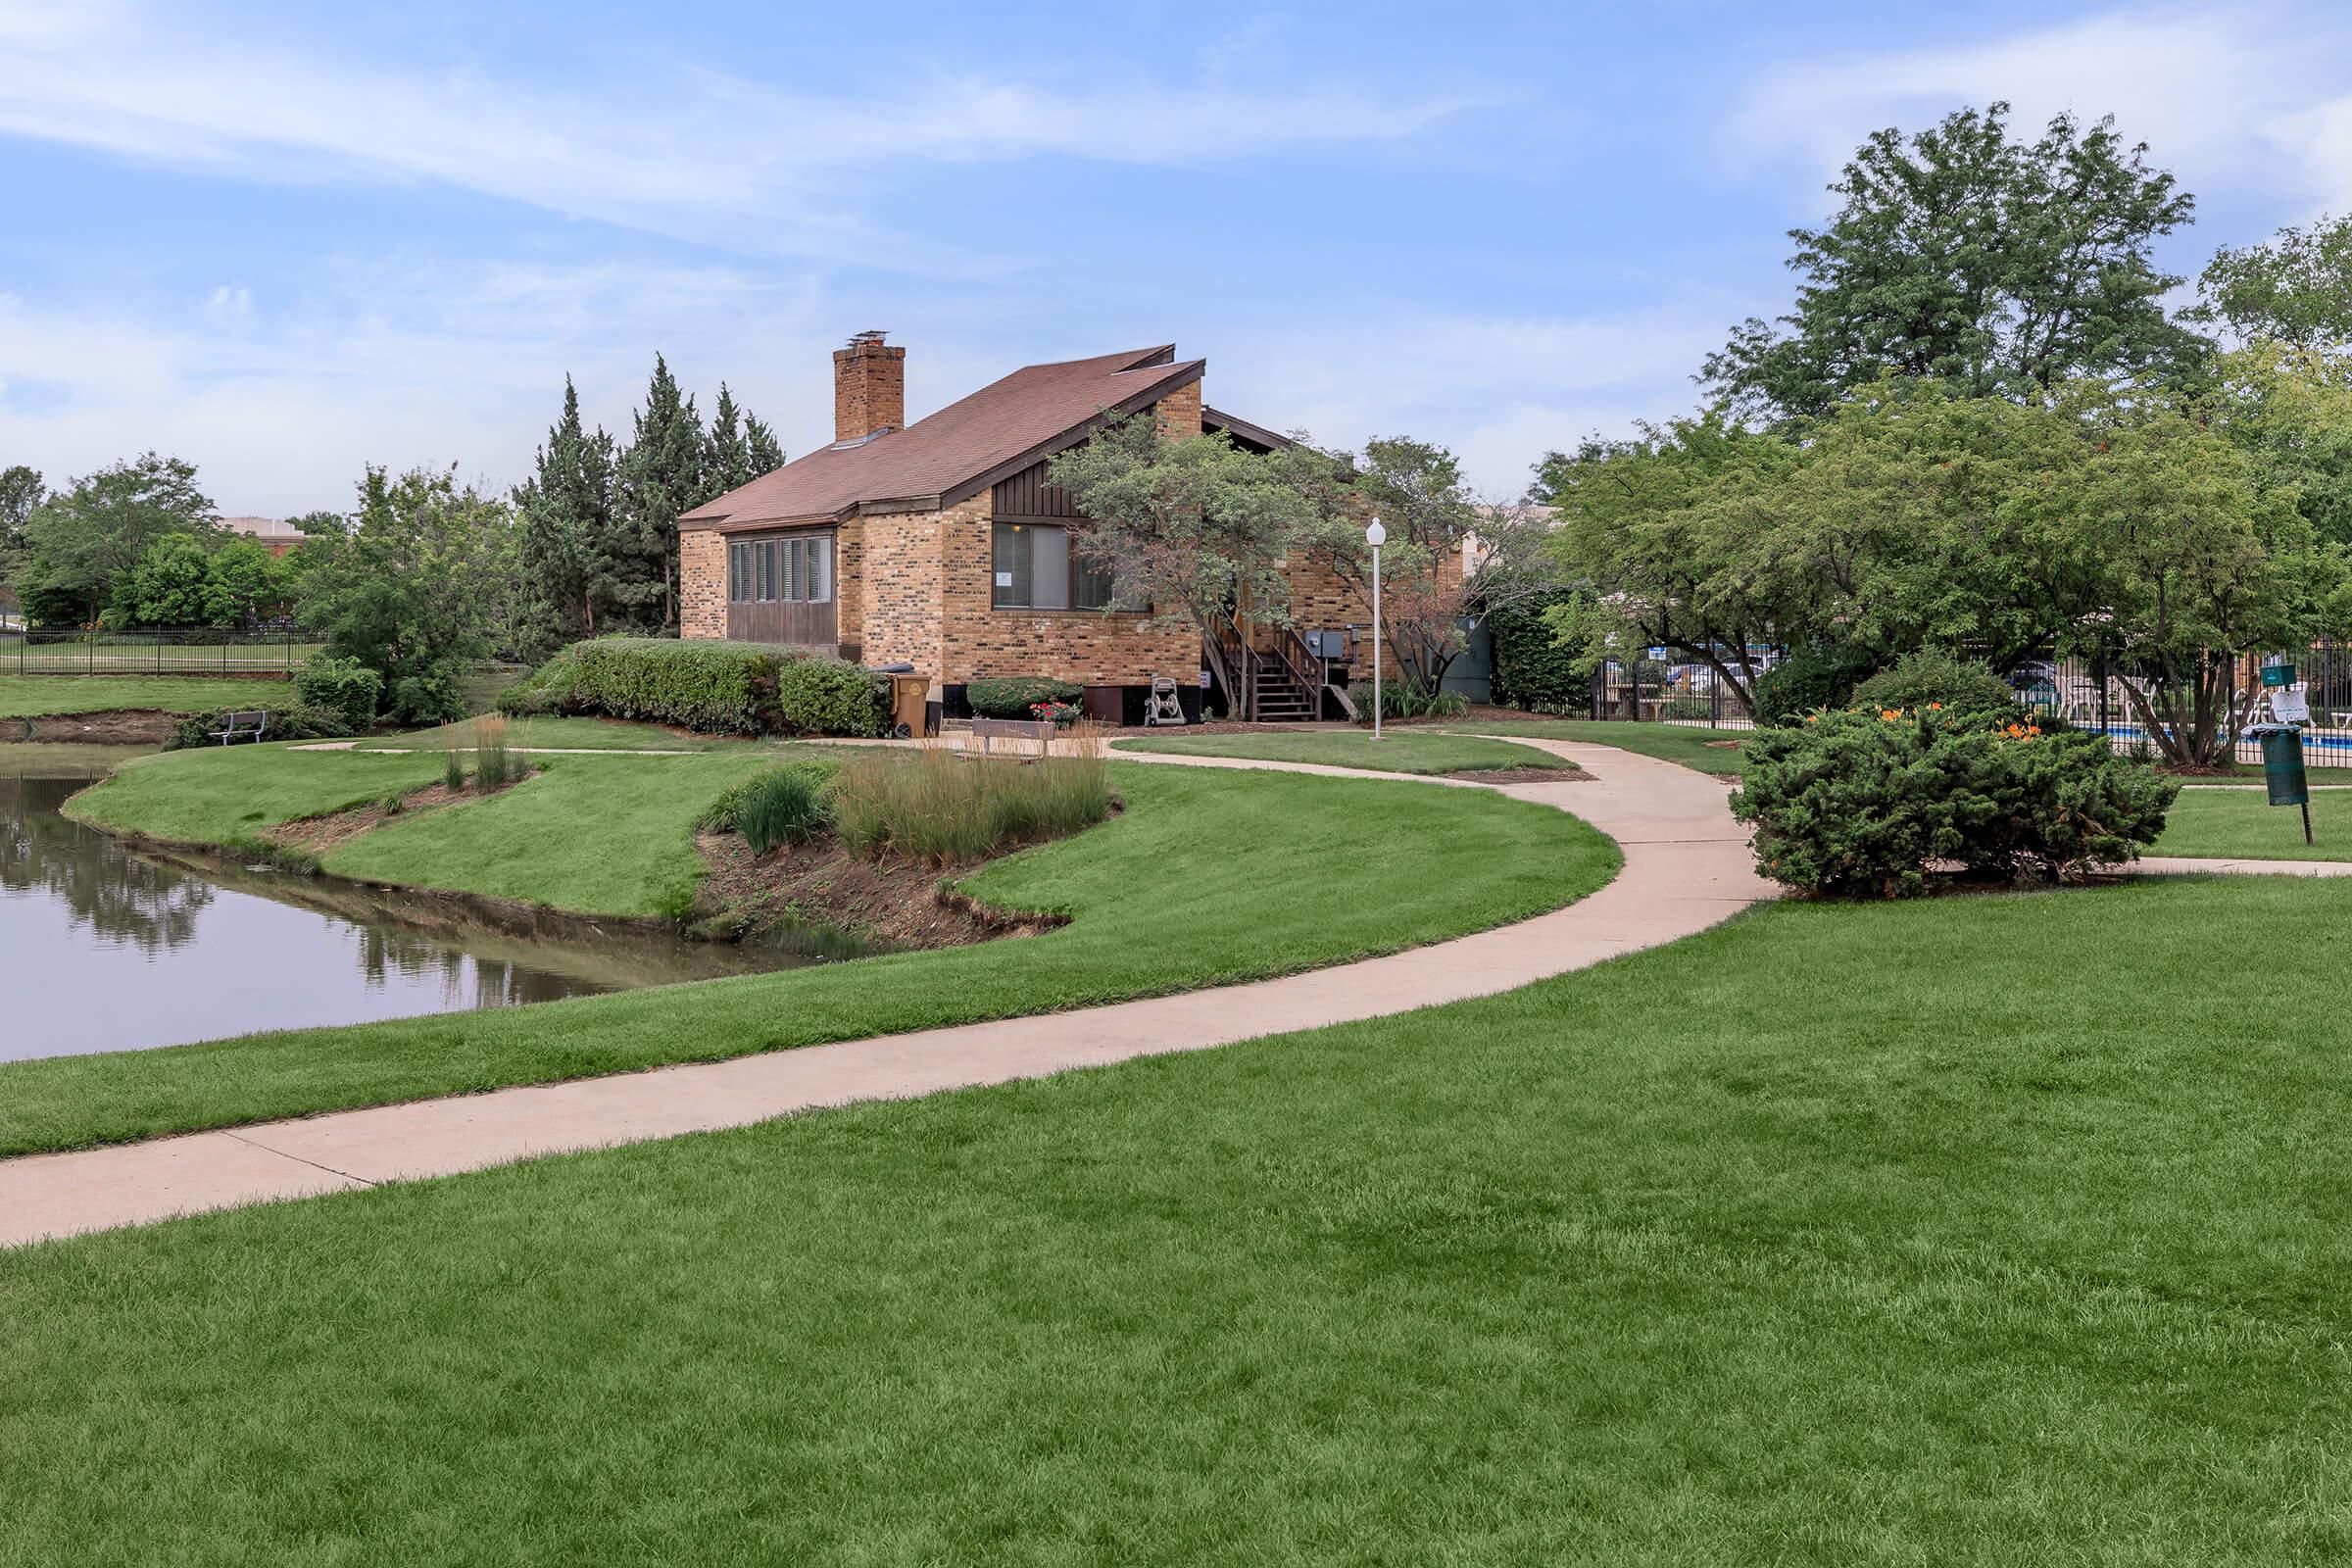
{"x": 2083, "y": 691}
{"x": 199, "y": 651}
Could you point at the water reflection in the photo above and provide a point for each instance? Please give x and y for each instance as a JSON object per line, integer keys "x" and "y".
{"x": 103, "y": 949}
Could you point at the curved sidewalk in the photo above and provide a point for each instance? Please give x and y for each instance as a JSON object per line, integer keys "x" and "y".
{"x": 1687, "y": 867}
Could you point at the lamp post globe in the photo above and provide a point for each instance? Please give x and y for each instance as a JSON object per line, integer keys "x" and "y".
{"x": 1376, "y": 536}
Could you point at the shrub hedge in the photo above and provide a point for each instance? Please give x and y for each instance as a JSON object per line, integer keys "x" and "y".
{"x": 341, "y": 685}
{"x": 1821, "y": 678}
{"x": 719, "y": 687}
{"x": 296, "y": 721}
{"x": 1012, "y": 696}
{"x": 1917, "y": 679}
{"x": 1532, "y": 670}
{"x": 1866, "y": 801}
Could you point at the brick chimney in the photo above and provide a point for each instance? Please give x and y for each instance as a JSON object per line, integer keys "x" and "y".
{"x": 869, "y": 388}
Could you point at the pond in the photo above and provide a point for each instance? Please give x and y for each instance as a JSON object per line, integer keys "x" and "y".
{"x": 104, "y": 948}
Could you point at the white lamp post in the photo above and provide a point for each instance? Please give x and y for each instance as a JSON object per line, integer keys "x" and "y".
{"x": 1376, "y": 536}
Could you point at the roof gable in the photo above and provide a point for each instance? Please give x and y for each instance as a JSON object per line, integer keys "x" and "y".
{"x": 1032, "y": 414}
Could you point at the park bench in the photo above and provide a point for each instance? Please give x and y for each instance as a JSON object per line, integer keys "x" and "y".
{"x": 988, "y": 730}
{"x": 249, "y": 724}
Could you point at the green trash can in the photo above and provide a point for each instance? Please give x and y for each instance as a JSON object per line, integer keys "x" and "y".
{"x": 2282, "y": 765}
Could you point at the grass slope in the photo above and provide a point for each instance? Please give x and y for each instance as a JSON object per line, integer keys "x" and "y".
{"x": 572, "y": 734}
{"x": 220, "y": 793}
{"x": 1399, "y": 751}
{"x": 2241, "y": 824}
{"x": 34, "y": 696}
{"x": 594, "y": 835}
{"x": 1950, "y": 1264}
{"x": 1209, "y": 876}
{"x": 1673, "y": 743}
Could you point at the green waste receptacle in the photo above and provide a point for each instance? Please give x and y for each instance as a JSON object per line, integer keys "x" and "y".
{"x": 2282, "y": 765}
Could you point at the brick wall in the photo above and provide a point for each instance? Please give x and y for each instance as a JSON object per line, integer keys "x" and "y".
{"x": 901, "y": 595}
{"x": 702, "y": 583}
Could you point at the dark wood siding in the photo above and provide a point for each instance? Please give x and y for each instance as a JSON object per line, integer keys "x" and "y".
{"x": 1027, "y": 498}
{"x": 784, "y": 622}
{"x": 810, "y": 622}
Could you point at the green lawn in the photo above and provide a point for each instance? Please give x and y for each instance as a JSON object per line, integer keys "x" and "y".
{"x": 1673, "y": 743}
{"x": 594, "y": 835}
{"x": 220, "y": 793}
{"x": 1688, "y": 1259}
{"x": 1399, "y": 751}
{"x": 572, "y": 734}
{"x": 34, "y": 696}
{"x": 1208, "y": 876}
{"x": 2242, "y": 824}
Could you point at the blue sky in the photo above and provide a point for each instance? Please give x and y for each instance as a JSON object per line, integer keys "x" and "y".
{"x": 284, "y": 240}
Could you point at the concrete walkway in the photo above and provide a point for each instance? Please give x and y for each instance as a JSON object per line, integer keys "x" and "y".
{"x": 2177, "y": 865}
{"x": 1687, "y": 867}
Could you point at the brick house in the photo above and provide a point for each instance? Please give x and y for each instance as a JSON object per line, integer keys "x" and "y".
{"x": 941, "y": 546}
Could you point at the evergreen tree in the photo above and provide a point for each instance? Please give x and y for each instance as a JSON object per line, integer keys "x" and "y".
{"x": 766, "y": 451}
{"x": 661, "y": 475}
{"x": 726, "y": 455}
{"x": 564, "y": 540}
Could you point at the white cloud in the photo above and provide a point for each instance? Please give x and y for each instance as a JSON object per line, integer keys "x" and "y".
{"x": 2220, "y": 95}
{"x": 697, "y": 154}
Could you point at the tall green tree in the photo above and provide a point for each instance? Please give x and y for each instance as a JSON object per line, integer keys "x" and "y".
{"x": 2000, "y": 266}
{"x": 84, "y": 539}
{"x": 661, "y": 475}
{"x": 564, "y": 537}
{"x": 417, "y": 591}
{"x": 20, "y": 492}
{"x": 726, "y": 451}
{"x": 766, "y": 453}
{"x": 1196, "y": 527}
{"x": 2295, "y": 287}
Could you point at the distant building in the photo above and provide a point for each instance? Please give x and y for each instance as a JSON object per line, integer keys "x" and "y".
{"x": 278, "y": 536}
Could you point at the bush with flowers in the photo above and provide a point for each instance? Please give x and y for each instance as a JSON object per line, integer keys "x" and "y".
{"x": 1870, "y": 802}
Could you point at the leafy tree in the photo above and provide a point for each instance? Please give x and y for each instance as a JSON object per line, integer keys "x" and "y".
{"x": 417, "y": 591}
{"x": 1433, "y": 524}
{"x": 313, "y": 524}
{"x": 2289, "y": 408}
{"x": 21, "y": 492}
{"x": 1999, "y": 265}
{"x": 1191, "y": 526}
{"x": 661, "y": 475}
{"x": 85, "y": 540}
{"x": 564, "y": 540}
{"x": 2295, "y": 289}
{"x": 2201, "y": 565}
{"x": 1660, "y": 530}
{"x": 252, "y": 583}
{"x": 173, "y": 584}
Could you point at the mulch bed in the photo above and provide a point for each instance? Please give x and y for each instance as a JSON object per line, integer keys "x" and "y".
{"x": 319, "y": 836}
{"x": 889, "y": 903}
{"x": 122, "y": 727}
{"x": 1564, "y": 775}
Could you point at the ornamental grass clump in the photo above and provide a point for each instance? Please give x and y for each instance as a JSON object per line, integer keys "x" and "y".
{"x": 785, "y": 807}
{"x": 452, "y": 772}
{"x": 943, "y": 807}
{"x": 494, "y": 765}
{"x": 1870, "y": 801}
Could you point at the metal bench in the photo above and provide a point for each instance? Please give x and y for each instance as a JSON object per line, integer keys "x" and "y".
{"x": 250, "y": 725}
{"x": 1042, "y": 731}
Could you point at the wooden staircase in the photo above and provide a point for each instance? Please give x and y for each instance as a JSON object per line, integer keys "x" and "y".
{"x": 1286, "y": 685}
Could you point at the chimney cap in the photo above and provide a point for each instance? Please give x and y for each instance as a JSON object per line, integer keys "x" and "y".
{"x": 872, "y": 334}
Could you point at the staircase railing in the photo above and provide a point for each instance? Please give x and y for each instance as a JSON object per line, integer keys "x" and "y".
{"x": 1236, "y": 665}
{"x": 1308, "y": 668}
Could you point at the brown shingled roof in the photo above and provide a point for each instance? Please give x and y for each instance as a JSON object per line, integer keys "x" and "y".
{"x": 966, "y": 446}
